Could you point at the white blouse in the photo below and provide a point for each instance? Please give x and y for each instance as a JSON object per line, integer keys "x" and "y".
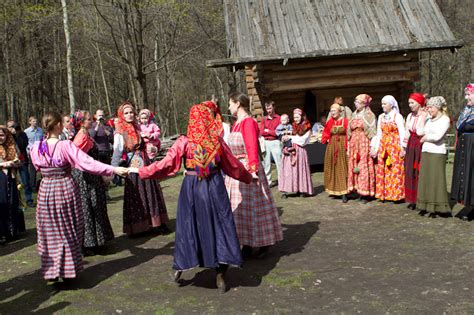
{"x": 414, "y": 123}
{"x": 435, "y": 131}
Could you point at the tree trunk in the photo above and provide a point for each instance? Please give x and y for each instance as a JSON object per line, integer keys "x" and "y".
{"x": 70, "y": 86}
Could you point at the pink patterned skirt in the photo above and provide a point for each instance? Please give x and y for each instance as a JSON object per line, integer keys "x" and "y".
{"x": 296, "y": 176}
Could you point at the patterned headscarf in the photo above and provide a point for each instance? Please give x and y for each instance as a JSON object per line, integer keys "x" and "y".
{"x": 204, "y": 130}
{"x": 436, "y": 101}
{"x": 129, "y": 130}
{"x": 392, "y": 101}
{"x": 467, "y": 115}
{"x": 77, "y": 119}
{"x": 364, "y": 98}
{"x": 304, "y": 125}
{"x": 8, "y": 148}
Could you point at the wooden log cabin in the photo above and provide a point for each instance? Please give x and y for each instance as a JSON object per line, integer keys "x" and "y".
{"x": 303, "y": 53}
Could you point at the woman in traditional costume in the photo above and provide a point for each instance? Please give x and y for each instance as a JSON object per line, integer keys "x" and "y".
{"x": 432, "y": 195}
{"x": 362, "y": 128}
{"x": 97, "y": 227}
{"x": 412, "y": 146}
{"x": 205, "y": 230}
{"x": 335, "y": 158}
{"x": 255, "y": 213}
{"x": 387, "y": 148}
{"x": 295, "y": 174}
{"x": 462, "y": 188}
{"x": 12, "y": 221}
{"x": 59, "y": 216}
{"x": 144, "y": 206}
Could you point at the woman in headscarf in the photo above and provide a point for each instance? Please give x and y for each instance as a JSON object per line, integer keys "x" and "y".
{"x": 335, "y": 159}
{"x": 255, "y": 213}
{"x": 295, "y": 175}
{"x": 97, "y": 227}
{"x": 432, "y": 195}
{"x": 144, "y": 207}
{"x": 387, "y": 148}
{"x": 462, "y": 188}
{"x": 12, "y": 221}
{"x": 412, "y": 146}
{"x": 205, "y": 230}
{"x": 362, "y": 128}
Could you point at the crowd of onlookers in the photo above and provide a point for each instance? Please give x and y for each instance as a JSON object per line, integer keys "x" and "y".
{"x": 389, "y": 157}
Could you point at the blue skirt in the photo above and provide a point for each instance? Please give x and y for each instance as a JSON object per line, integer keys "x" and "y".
{"x": 205, "y": 228}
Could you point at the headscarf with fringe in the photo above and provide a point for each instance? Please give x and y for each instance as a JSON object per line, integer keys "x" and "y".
{"x": 204, "y": 130}
{"x": 129, "y": 130}
{"x": 8, "y": 151}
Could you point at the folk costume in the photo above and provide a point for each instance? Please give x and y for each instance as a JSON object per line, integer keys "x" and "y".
{"x": 462, "y": 188}
{"x": 205, "y": 231}
{"x": 335, "y": 158}
{"x": 97, "y": 227}
{"x": 432, "y": 190}
{"x": 390, "y": 170}
{"x": 255, "y": 213}
{"x": 295, "y": 176}
{"x": 59, "y": 216}
{"x": 143, "y": 203}
{"x": 12, "y": 221}
{"x": 412, "y": 145}
{"x": 362, "y": 128}
{"x": 150, "y": 134}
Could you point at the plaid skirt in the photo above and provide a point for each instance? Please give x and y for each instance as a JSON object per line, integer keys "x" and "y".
{"x": 255, "y": 213}
{"x": 59, "y": 224}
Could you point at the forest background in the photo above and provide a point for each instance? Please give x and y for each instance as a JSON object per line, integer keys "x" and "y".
{"x": 153, "y": 52}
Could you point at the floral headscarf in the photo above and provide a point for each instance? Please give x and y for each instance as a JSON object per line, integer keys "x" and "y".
{"x": 77, "y": 119}
{"x": 366, "y": 114}
{"x": 304, "y": 125}
{"x": 467, "y": 115}
{"x": 8, "y": 150}
{"x": 129, "y": 130}
{"x": 204, "y": 130}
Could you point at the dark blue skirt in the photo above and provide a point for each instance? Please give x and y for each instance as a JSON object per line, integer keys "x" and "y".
{"x": 205, "y": 228}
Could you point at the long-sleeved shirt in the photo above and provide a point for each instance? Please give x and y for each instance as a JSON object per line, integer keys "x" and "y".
{"x": 100, "y": 137}
{"x": 171, "y": 164}
{"x": 301, "y": 140}
{"x": 83, "y": 141}
{"x": 434, "y": 132}
{"x": 65, "y": 153}
{"x": 414, "y": 123}
{"x": 392, "y": 116}
{"x": 34, "y": 134}
{"x": 21, "y": 140}
{"x": 249, "y": 129}
{"x": 270, "y": 123}
{"x": 281, "y": 129}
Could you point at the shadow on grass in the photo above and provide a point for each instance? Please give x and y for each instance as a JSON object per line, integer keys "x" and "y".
{"x": 296, "y": 236}
{"x": 34, "y": 291}
{"x": 25, "y": 240}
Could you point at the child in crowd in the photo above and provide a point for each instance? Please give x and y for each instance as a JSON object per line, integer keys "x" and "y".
{"x": 150, "y": 132}
{"x": 285, "y": 128}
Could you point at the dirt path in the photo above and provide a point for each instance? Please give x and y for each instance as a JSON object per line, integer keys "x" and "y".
{"x": 336, "y": 258}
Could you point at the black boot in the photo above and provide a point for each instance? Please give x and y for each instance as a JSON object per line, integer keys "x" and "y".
{"x": 246, "y": 251}
{"x": 344, "y": 198}
{"x": 220, "y": 278}
{"x": 262, "y": 252}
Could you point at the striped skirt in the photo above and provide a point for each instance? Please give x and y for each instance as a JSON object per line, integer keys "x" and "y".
{"x": 59, "y": 224}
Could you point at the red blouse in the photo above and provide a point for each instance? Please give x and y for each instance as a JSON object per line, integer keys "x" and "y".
{"x": 326, "y": 136}
{"x": 249, "y": 129}
{"x": 171, "y": 164}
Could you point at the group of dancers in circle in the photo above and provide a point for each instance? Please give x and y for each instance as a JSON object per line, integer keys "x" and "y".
{"x": 226, "y": 211}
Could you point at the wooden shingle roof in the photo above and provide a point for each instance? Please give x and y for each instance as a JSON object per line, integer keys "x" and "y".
{"x": 269, "y": 30}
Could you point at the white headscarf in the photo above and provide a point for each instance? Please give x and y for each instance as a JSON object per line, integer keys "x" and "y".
{"x": 392, "y": 101}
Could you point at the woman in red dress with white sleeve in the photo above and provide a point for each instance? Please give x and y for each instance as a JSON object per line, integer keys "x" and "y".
{"x": 255, "y": 214}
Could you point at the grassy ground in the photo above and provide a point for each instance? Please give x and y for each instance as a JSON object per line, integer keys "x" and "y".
{"x": 335, "y": 258}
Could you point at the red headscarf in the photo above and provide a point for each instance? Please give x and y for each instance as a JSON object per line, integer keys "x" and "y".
{"x": 419, "y": 98}
{"x": 304, "y": 125}
{"x": 129, "y": 130}
{"x": 204, "y": 130}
